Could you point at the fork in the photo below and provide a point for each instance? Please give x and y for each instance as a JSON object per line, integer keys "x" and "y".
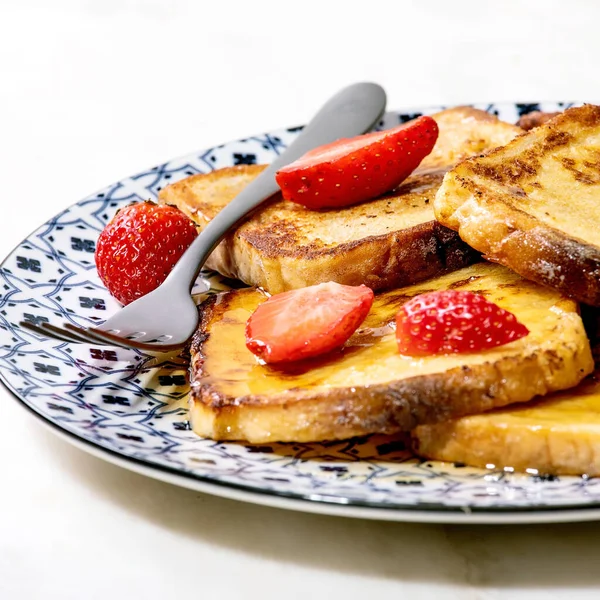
{"x": 165, "y": 319}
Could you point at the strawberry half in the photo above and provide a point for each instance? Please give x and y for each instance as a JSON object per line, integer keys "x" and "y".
{"x": 139, "y": 247}
{"x": 357, "y": 169}
{"x": 453, "y": 321}
{"x": 307, "y": 322}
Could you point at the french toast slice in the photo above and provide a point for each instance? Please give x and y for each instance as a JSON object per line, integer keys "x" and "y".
{"x": 388, "y": 242}
{"x": 534, "y": 205}
{"x": 367, "y": 386}
{"x": 557, "y": 435}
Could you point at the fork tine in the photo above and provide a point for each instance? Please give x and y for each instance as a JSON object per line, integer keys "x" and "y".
{"x": 48, "y": 330}
{"x": 73, "y": 335}
{"x": 105, "y": 337}
{"x": 94, "y": 336}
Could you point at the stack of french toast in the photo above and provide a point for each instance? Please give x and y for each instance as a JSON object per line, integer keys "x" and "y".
{"x": 493, "y": 209}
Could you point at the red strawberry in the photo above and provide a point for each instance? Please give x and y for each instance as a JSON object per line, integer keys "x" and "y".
{"x": 452, "y": 321}
{"x": 307, "y": 322}
{"x": 357, "y": 169}
{"x": 139, "y": 247}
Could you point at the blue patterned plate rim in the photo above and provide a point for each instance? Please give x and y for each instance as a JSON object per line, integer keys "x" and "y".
{"x": 435, "y": 512}
{"x": 112, "y": 405}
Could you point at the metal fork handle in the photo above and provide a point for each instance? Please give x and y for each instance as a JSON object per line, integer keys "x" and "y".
{"x": 352, "y": 111}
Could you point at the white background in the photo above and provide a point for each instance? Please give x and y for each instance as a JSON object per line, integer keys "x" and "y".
{"x": 92, "y": 91}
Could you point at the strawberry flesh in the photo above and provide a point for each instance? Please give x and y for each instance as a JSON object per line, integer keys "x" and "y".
{"x": 306, "y": 322}
{"x": 354, "y": 170}
{"x": 454, "y": 322}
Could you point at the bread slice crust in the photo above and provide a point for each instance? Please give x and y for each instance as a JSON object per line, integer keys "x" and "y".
{"x": 388, "y": 242}
{"x": 556, "y": 435}
{"x": 534, "y": 205}
{"x": 367, "y": 387}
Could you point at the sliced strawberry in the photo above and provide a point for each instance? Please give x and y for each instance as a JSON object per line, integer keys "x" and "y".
{"x": 357, "y": 169}
{"x": 453, "y": 321}
{"x": 307, "y": 322}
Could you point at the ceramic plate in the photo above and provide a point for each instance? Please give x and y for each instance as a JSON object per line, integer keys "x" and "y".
{"x": 130, "y": 408}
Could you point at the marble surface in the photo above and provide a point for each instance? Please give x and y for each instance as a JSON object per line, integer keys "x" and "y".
{"x": 94, "y": 90}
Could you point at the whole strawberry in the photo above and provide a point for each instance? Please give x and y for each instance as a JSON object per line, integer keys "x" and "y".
{"x": 139, "y": 248}
{"x": 453, "y": 321}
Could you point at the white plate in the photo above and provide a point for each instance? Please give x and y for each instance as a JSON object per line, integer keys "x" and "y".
{"x": 130, "y": 408}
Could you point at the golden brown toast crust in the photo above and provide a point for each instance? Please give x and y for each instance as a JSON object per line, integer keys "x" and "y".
{"x": 271, "y": 251}
{"x": 388, "y": 242}
{"x": 558, "y": 434}
{"x": 489, "y": 201}
{"x": 368, "y": 387}
{"x": 535, "y": 119}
